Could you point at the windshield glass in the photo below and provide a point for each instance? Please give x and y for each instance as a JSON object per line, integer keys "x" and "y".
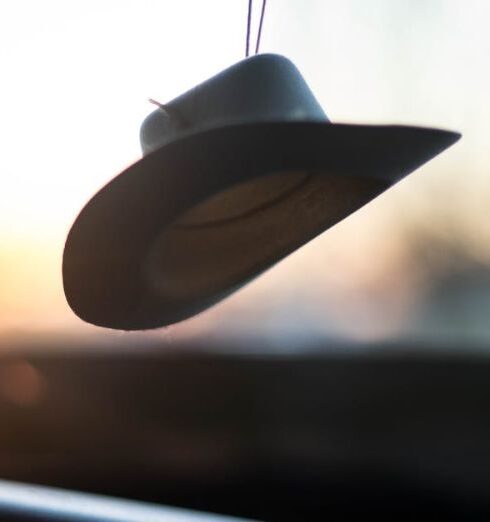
{"x": 412, "y": 263}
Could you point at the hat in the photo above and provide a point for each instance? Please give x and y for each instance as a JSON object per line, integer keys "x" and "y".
{"x": 236, "y": 174}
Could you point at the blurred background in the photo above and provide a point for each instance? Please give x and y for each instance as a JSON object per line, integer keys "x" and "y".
{"x": 354, "y": 376}
{"x": 76, "y": 78}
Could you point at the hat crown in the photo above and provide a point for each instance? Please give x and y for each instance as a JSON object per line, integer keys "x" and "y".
{"x": 263, "y": 88}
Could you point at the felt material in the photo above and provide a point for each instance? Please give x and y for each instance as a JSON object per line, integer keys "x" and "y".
{"x": 199, "y": 217}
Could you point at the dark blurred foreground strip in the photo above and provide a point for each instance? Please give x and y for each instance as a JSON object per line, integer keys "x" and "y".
{"x": 24, "y": 502}
{"x": 401, "y": 433}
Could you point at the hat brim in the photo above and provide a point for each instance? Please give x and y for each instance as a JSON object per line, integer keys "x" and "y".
{"x": 106, "y": 257}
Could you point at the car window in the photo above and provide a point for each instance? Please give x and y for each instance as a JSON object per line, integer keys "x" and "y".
{"x": 414, "y": 262}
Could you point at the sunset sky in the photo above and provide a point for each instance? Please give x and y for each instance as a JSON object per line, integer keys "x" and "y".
{"x": 76, "y": 77}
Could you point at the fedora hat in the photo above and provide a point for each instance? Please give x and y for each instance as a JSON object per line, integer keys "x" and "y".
{"x": 236, "y": 174}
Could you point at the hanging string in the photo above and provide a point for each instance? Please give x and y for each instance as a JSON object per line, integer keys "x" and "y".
{"x": 249, "y": 23}
{"x": 249, "y": 27}
{"x": 259, "y": 34}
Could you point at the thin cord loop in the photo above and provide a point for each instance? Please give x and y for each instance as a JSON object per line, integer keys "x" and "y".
{"x": 161, "y": 106}
{"x": 249, "y": 24}
{"x": 259, "y": 34}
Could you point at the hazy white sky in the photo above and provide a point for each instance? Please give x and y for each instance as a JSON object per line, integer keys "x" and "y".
{"x": 75, "y": 81}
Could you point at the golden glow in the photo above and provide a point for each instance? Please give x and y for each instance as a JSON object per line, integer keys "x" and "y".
{"x": 75, "y": 81}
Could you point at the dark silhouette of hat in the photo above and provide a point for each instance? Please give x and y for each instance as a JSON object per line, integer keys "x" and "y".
{"x": 237, "y": 173}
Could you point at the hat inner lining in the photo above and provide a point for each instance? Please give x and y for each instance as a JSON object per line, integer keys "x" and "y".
{"x": 238, "y": 233}
{"x": 241, "y": 201}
